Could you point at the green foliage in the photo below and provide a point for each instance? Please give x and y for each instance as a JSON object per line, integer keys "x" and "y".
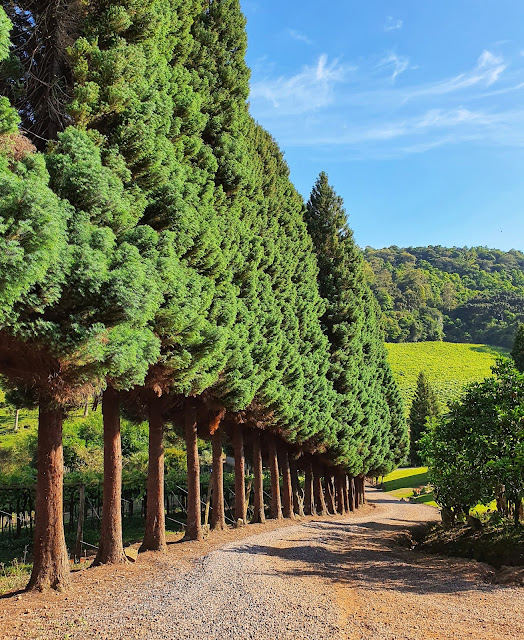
{"x": 157, "y": 239}
{"x": 448, "y": 367}
{"x": 460, "y": 295}
{"x": 517, "y": 352}
{"x": 478, "y": 446}
{"x": 5, "y": 28}
{"x": 371, "y": 431}
{"x": 424, "y": 407}
{"x": 32, "y": 230}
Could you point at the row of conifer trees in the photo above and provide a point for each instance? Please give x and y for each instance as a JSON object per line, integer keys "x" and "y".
{"x": 152, "y": 245}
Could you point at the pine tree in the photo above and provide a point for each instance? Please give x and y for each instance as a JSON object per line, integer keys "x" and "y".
{"x": 425, "y": 406}
{"x": 517, "y": 352}
{"x": 89, "y": 318}
{"x": 358, "y": 364}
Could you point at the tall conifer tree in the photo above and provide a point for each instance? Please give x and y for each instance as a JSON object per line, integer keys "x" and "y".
{"x": 357, "y": 354}
{"x": 425, "y": 406}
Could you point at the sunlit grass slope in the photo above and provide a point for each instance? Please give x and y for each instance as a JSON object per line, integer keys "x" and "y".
{"x": 448, "y": 366}
{"x": 401, "y": 483}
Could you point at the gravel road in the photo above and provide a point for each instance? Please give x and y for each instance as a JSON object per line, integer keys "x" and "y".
{"x": 328, "y": 579}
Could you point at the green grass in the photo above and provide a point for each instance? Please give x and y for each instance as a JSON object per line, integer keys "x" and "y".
{"x": 401, "y": 483}
{"x": 13, "y": 576}
{"x": 448, "y": 366}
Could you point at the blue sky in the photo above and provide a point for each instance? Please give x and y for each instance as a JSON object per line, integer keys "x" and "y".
{"x": 415, "y": 109}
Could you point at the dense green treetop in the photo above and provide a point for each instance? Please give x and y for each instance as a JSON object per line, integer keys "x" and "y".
{"x": 358, "y": 365}
{"x": 176, "y": 250}
{"x": 32, "y": 218}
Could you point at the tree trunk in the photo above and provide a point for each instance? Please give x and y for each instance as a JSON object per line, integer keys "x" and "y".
{"x": 80, "y": 523}
{"x": 309, "y": 504}
{"x": 330, "y": 498}
{"x": 297, "y": 502}
{"x": 362, "y": 487}
{"x": 240, "y": 483}
{"x": 339, "y": 480}
{"x": 320, "y": 504}
{"x": 86, "y": 408}
{"x": 276, "y": 506}
{"x": 50, "y": 561}
{"x": 111, "y": 549}
{"x": 258, "y": 515}
{"x": 218, "y": 514}
{"x": 194, "y": 523}
{"x": 155, "y": 531}
{"x": 17, "y": 416}
{"x": 346, "y": 493}
{"x": 352, "y": 505}
{"x": 287, "y": 489}
{"x": 516, "y": 515}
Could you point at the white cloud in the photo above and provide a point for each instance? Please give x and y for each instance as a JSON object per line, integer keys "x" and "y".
{"x": 393, "y": 24}
{"x": 453, "y": 117}
{"x": 360, "y": 115}
{"x": 308, "y": 90}
{"x": 487, "y": 71}
{"x": 300, "y": 37}
{"x": 399, "y": 64}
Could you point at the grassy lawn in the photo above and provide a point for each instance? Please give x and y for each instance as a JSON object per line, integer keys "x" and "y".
{"x": 401, "y": 482}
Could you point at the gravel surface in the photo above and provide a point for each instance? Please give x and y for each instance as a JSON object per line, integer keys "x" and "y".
{"x": 325, "y": 579}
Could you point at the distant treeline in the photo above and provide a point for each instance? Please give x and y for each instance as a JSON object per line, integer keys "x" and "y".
{"x": 453, "y": 294}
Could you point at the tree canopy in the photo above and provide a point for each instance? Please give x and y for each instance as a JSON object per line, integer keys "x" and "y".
{"x": 453, "y": 294}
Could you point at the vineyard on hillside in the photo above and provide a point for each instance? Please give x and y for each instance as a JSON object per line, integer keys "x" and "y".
{"x": 448, "y": 366}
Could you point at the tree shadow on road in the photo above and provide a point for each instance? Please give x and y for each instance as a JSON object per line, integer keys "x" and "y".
{"x": 351, "y": 555}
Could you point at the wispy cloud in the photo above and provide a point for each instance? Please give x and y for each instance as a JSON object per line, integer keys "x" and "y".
{"x": 397, "y": 63}
{"x": 300, "y": 37}
{"x": 363, "y": 113}
{"x": 459, "y": 122}
{"x": 487, "y": 71}
{"x": 308, "y": 90}
{"x": 393, "y": 24}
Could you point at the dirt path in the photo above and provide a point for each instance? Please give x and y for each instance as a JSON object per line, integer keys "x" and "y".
{"x": 340, "y": 578}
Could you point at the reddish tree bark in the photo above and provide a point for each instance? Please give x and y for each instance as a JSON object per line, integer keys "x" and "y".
{"x": 346, "y": 493}
{"x": 258, "y": 515}
{"x": 155, "y": 532}
{"x": 339, "y": 480}
{"x": 50, "y": 561}
{"x": 320, "y": 504}
{"x": 352, "y": 501}
{"x": 330, "y": 497}
{"x": 276, "y": 505}
{"x": 287, "y": 490}
{"x": 297, "y": 503}
{"x": 218, "y": 514}
{"x": 362, "y": 490}
{"x": 111, "y": 549}
{"x": 194, "y": 522}
{"x": 309, "y": 504}
{"x": 240, "y": 480}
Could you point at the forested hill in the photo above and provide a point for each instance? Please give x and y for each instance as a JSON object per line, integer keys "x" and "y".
{"x": 456, "y": 295}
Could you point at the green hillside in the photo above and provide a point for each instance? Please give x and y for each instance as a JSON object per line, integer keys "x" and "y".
{"x": 449, "y": 366}
{"x": 455, "y": 294}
